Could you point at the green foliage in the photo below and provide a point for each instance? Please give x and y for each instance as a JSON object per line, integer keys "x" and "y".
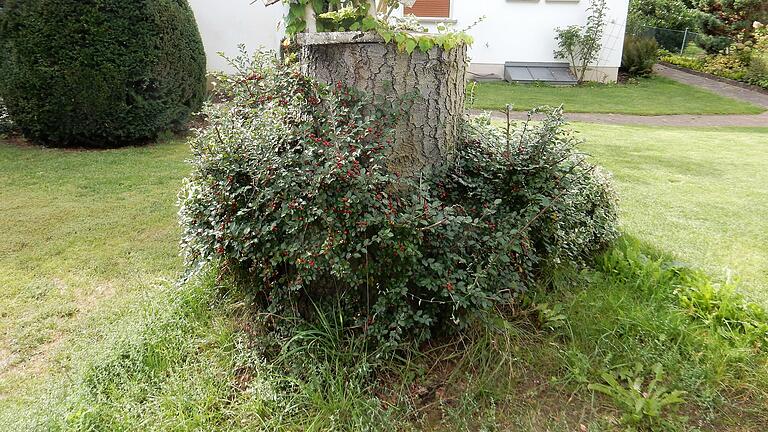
{"x": 718, "y": 306}
{"x": 551, "y": 317}
{"x": 642, "y": 405}
{"x": 695, "y": 63}
{"x": 725, "y": 65}
{"x": 581, "y": 45}
{"x": 347, "y": 18}
{"x": 100, "y": 74}
{"x": 292, "y": 196}
{"x": 731, "y": 18}
{"x": 716, "y": 21}
{"x": 693, "y": 50}
{"x": 665, "y": 14}
{"x": 639, "y": 56}
{"x": 723, "y": 309}
{"x": 406, "y": 33}
{"x": 757, "y": 70}
{"x": 410, "y": 38}
{"x": 745, "y": 60}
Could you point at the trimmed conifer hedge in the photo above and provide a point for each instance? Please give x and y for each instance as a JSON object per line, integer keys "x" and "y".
{"x": 100, "y": 73}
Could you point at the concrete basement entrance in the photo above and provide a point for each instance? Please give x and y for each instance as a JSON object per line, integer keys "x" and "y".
{"x": 531, "y": 72}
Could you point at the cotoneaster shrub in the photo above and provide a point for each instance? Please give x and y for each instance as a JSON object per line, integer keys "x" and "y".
{"x": 100, "y": 73}
{"x": 292, "y": 199}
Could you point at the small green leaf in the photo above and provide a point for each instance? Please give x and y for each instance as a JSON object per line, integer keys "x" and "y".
{"x": 410, "y": 45}
{"x": 426, "y": 44}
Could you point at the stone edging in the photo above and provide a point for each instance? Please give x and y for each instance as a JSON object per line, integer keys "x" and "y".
{"x": 716, "y": 78}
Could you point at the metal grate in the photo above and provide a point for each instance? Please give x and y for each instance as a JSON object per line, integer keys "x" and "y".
{"x": 529, "y": 72}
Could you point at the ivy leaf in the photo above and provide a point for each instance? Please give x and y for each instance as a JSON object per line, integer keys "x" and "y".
{"x": 318, "y": 5}
{"x": 410, "y": 45}
{"x": 369, "y": 23}
{"x": 426, "y": 44}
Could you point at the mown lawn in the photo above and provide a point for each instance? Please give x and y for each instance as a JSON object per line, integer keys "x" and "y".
{"x": 94, "y": 335}
{"x": 648, "y": 96}
{"x": 84, "y": 235}
{"x": 701, "y": 195}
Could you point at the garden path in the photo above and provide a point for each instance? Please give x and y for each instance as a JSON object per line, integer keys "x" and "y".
{"x": 722, "y": 88}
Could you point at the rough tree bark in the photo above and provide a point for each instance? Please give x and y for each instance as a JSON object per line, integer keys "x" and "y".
{"x": 432, "y": 84}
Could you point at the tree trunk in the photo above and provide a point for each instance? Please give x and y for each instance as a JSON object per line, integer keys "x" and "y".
{"x": 431, "y": 84}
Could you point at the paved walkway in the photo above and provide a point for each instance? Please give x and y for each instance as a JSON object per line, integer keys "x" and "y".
{"x": 721, "y": 88}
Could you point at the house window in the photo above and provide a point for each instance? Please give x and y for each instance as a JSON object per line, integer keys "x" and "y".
{"x": 430, "y": 9}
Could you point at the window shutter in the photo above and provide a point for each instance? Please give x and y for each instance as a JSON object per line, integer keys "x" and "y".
{"x": 430, "y": 9}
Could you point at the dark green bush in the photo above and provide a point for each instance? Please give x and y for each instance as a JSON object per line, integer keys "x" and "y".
{"x": 290, "y": 195}
{"x": 640, "y": 54}
{"x": 100, "y": 73}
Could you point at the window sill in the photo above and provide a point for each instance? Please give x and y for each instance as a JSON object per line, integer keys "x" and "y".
{"x": 436, "y": 20}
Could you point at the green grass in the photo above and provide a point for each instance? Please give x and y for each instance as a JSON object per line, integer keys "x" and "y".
{"x": 648, "y": 96}
{"x": 83, "y": 235}
{"x": 700, "y": 195}
{"x": 94, "y": 335}
{"x": 191, "y": 359}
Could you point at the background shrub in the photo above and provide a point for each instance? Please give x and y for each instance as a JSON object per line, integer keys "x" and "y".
{"x": 291, "y": 197}
{"x": 640, "y": 54}
{"x": 101, "y": 73}
{"x": 725, "y": 65}
{"x": 757, "y": 72}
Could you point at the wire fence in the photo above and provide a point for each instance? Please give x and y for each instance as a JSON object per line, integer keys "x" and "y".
{"x": 678, "y": 40}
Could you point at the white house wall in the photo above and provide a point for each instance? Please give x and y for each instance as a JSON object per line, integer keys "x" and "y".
{"x": 513, "y": 30}
{"x": 524, "y": 31}
{"x": 224, "y": 24}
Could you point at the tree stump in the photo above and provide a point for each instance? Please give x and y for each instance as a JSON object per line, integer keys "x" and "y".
{"x": 431, "y": 83}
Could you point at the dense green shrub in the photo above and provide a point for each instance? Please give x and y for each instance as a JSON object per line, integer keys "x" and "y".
{"x": 757, "y": 71}
{"x": 291, "y": 197}
{"x": 716, "y": 22}
{"x": 101, "y": 73}
{"x": 746, "y": 60}
{"x": 695, "y": 63}
{"x": 640, "y": 54}
{"x": 665, "y": 14}
{"x": 726, "y": 66}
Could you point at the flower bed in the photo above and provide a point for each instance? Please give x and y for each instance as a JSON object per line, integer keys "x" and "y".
{"x": 744, "y": 61}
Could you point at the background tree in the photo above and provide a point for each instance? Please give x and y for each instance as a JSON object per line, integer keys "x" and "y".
{"x": 719, "y": 22}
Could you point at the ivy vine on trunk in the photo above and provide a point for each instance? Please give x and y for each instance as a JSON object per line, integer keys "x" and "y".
{"x": 309, "y": 16}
